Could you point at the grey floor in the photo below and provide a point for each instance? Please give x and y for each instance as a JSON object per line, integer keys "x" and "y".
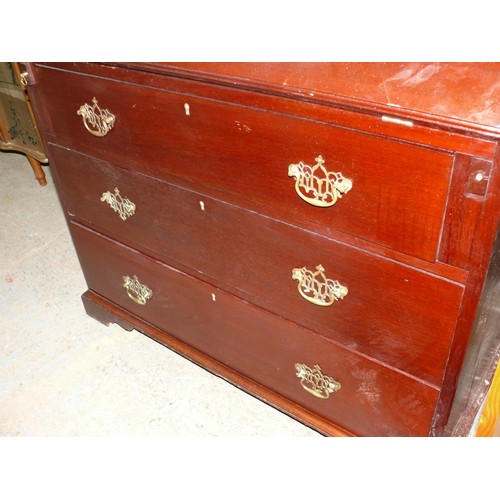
{"x": 64, "y": 374}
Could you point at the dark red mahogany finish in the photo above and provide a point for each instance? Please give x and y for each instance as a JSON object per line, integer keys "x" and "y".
{"x": 203, "y": 151}
{"x": 249, "y": 156}
{"x": 254, "y": 246}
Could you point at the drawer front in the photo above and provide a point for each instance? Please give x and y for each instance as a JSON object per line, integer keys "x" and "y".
{"x": 389, "y": 312}
{"x": 382, "y": 190}
{"x": 372, "y": 400}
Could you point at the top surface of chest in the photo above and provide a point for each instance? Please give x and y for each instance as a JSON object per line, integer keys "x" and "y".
{"x": 461, "y": 92}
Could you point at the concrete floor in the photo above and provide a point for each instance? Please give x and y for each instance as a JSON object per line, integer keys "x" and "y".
{"x": 64, "y": 374}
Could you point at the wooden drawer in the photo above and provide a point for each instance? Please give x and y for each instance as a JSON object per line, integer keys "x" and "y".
{"x": 398, "y": 193}
{"x": 373, "y": 400}
{"x": 389, "y": 312}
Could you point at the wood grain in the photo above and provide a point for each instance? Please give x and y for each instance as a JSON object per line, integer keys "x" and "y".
{"x": 491, "y": 412}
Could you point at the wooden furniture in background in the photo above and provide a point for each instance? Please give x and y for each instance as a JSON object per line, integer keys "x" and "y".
{"x": 320, "y": 235}
{"x": 489, "y": 423}
{"x": 18, "y": 130}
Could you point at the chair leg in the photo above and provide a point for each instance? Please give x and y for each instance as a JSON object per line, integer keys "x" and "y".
{"x": 38, "y": 170}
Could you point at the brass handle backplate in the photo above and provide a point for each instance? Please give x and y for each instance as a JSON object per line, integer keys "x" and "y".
{"x": 138, "y": 292}
{"x": 122, "y": 206}
{"x": 96, "y": 120}
{"x": 314, "y": 382}
{"x": 316, "y": 185}
{"x": 316, "y": 288}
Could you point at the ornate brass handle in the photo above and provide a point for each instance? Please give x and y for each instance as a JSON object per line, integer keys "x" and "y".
{"x": 136, "y": 291}
{"x": 317, "y": 288}
{"x": 314, "y": 382}
{"x": 96, "y": 120}
{"x": 316, "y": 185}
{"x": 122, "y": 206}
{"x": 23, "y": 78}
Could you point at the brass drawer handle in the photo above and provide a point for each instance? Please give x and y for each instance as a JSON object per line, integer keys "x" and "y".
{"x": 96, "y": 120}
{"x": 23, "y": 78}
{"x": 122, "y": 206}
{"x": 317, "y": 288}
{"x": 136, "y": 291}
{"x": 316, "y": 185}
{"x": 314, "y": 382}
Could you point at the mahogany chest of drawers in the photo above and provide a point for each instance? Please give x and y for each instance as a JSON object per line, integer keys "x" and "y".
{"x": 320, "y": 235}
